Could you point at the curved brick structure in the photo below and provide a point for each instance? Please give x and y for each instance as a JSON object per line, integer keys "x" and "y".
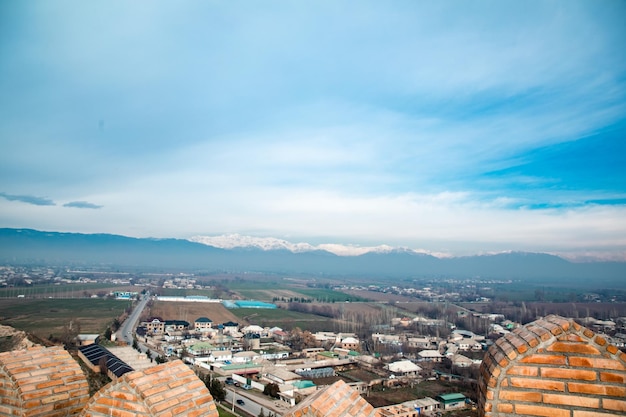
{"x": 336, "y": 400}
{"x": 553, "y": 367}
{"x": 41, "y": 381}
{"x": 167, "y": 390}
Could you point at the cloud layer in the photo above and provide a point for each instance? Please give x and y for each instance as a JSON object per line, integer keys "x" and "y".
{"x": 450, "y": 127}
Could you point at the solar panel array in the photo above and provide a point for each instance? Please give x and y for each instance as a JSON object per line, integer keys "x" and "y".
{"x": 95, "y": 354}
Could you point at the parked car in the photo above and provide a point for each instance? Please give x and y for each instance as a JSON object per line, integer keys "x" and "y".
{"x": 240, "y": 402}
{"x": 230, "y": 381}
{"x": 246, "y": 386}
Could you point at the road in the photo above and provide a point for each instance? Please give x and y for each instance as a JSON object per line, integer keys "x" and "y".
{"x": 125, "y": 332}
{"x": 249, "y": 405}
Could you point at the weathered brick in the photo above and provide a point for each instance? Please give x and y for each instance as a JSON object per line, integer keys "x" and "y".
{"x": 537, "y": 410}
{"x": 569, "y": 373}
{"x": 541, "y": 333}
{"x": 528, "y": 337}
{"x": 165, "y": 390}
{"x": 614, "y": 405}
{"x": 600, "y": 363}
{"x": 545, "y": 359}
{"x": 505, "y": 408}
{"x": 528, "y": 396}
{"x": 613, "y": 377}
{"x": 560, "y": 321}
{"x": 584, "y": 413}
{"x": 568, "y": 347}
{"x": 596, "y": 389}
{"x": 523, "y": 370}
{"x": 571, "y": 400}
{"x": 600, "y": 340}
{"x": 542, "y": 384}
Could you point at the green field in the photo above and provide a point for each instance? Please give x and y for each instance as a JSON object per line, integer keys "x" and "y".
{"x": 329, "y": 296}
{"x": 62, "y": 291}
{"x": 44, "y": 317}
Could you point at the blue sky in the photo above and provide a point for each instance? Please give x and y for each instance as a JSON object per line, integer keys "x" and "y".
{"x": 454, "y": 127}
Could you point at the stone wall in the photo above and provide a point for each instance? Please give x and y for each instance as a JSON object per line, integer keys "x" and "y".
{"x": 553, "y": 367}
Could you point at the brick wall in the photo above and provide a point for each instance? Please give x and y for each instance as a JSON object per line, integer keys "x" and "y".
{"x": 167, "y": 390}
{"x": 553, "y": 367}
{"x": 41, "y": 381}
{"x": 336, "y": 400}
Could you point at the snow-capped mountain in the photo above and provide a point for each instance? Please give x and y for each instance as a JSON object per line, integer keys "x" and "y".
{"x": 232, "y": 241}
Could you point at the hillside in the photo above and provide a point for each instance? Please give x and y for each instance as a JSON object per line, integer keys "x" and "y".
{"x": 26, "y": 246}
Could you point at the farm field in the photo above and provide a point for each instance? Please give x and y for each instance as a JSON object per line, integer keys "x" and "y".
{"x": 45, "y": 317}
{"x": 286, "y": 289}
{"x": 284, "y": 319}
{"x": 379, "y": 296}
{"x": 421, "y": 390}
{"x": 172, "y": 310}
{"x": 575, "y": 310}
{"x": 64, "y": 291}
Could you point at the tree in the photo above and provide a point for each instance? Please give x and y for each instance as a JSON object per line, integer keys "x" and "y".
{"x": 272, "y": 390}
{"x": 216, "y": 388}
{"x": 116, "y": 325}
{"x": 70, "y": 331}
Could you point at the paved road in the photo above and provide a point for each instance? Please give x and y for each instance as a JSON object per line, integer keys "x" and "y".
{"x": 249, "y": 406}
{"x": 125, "y": 332}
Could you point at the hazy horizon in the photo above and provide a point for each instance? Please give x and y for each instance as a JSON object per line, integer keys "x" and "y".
{"x": 452, "y": 128}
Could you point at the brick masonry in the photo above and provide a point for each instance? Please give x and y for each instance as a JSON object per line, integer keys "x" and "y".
{"x": 167, "y": 390}
{"x": 553, "y": 367}
{"x": 336, "y": 400}
{"x": 41, "y": 381}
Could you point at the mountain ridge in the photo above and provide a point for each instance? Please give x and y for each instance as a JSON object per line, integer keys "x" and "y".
{"x": 33, "y": 246}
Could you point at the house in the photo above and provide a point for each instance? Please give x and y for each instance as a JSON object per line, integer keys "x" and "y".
{"x": 426, "y": 404}
{"x": 202, "y": 324}
{"x": 176, "y": 325}
{"x": 229, "y": 327}
{"x": 282, "y": 376}
{"x": 253, "y": 329}
{"x": 404, "y": 368}
{"x": 279, "y": 334}
{"x": 451, "y": 401}
{"x": 154, "y": 325}
{"x": 350, "y": 343}
{"x": 430, "y": 355}
{"x": 201, "y": 348}
{"x": 220, "y": 356}
{"x": 421, "y": 342}
{"x": 397, "y": 410}
{"x": 461, "y": 361}
{"x": 245, "y": 357}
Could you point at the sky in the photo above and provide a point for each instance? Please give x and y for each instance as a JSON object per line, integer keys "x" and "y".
{"x": 456, "y": 127}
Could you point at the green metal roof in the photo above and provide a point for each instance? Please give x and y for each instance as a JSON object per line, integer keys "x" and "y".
{"x": 451, "y": 397}
{"x": 303, "y": 384}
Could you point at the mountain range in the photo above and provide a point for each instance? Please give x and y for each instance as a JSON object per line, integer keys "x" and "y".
{"x": 239, "y": 254}
{"x": 233, "y": 241}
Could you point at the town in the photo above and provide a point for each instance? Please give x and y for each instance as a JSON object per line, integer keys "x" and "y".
{"x": 385, "y": 349}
